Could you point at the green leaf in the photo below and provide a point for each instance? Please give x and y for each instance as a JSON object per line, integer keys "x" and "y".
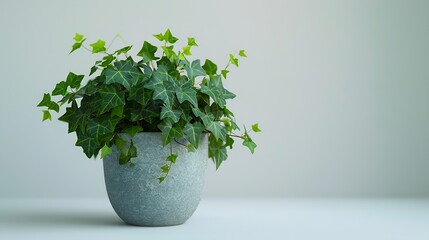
{"x": 191, "y": 42}
{"x": 172, "y": 158}
{"x": 255, "y": 128}
{"x": 123, "y": 50}
{"x": 132, "y": 151}
{"x": 160, "y": 37}
{"x": 78, "y": 37}
{"x": 170, "y": 53}
{"x": 110, "y": 98}
{"x": 76, "y": 46}
{"x": 46, "y": 102}
{"x": 98, "y": 46}
{"x": 105, "y": 150}
{"x": 168, "y": 112}
{"x": 161, "y": 179}
{"x": 60, "y": 89}
{"x": 169, "y": 132}
{"x": 217, "y": 151}
{"x": 224, "y": 73}
{"x": 148, "y": 52}
{"x": 76, "y": 118}
{"x": 193, "y": 132}
{"x": 229, "y": 142}
{"x": 107, "y": 60}
{"x": 186, "y": 92}
{"x": 132, "y": 131}
{"x": 132, "y": 165}
{"x": 88, "y": 144}
{"x": 241, "y": 53}
{"x": 215, "y": 92}
{"x": 165, "y": 168}
{"x": 217, "y": 129}
{"x": 187, "y": 50}
{"x": 117, "y": 111}
{"x": 74, "y": 80}
{"x": 249, "y": 144}
{"x": 97, "y": 128}
{"x": 140, "y": 94}
{"x": 93, "y": 70}
{"x": 233, "y": 60}
{"x": 46, "y": 115}
{"x": 124, "y": 73}
{"x": 163, "y": 85}
{"x": 210, "y": 67}
{"x": 168, "y": 37}
{"x": 195, "y": 69}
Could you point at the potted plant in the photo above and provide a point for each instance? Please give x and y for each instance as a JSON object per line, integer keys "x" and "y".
{"x": 155, "y": 120}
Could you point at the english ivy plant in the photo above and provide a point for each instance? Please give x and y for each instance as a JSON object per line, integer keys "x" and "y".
{"x": 159, "y": 90}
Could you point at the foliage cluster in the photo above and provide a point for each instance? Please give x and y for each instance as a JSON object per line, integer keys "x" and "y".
{"x": 167, "y": 93}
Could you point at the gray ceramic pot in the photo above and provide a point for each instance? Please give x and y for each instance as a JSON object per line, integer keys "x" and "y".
{"x": 135, "y": 193}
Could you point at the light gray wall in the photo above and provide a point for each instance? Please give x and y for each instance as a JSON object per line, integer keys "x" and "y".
{"x": 340, "y": 89}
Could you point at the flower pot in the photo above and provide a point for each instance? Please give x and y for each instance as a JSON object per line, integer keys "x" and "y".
{"x": 135, "y": 192}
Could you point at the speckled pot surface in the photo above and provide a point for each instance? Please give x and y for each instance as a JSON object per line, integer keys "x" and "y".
{"x": 135, "y": 193}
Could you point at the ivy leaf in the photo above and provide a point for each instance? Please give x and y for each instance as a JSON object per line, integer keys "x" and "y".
{"x": 132, "y": 151}
{"x": 169, "y": 132}
{"x": 233, "y": 60}
{"x": 161, "y": 179}
{"x": 97, "y": 129}
{"x": 191, "y": 42}
{"x": 187, "y": 50}
{"x": 229, "y": 142}
{"x": 160, "y": 37}
{"x": 165, "y": 168}
{"x": 215, "y": 92}
{"x": 88, "y": 144}
{"x": 210, "y": 67}
{"x": 78, "y": 37}
{"x": 124, "y": 73}
{"x": 163, "y": 86}
{"x": 148, "y": 52}
{"x": 219, "y": 131}
{"x": 76, "y": 118}
{"x": 46, "y": 102}
{"x": 140, "y": 94}
{"x": 110, "y": 98}
{"x": 46, "y": 115}
{"x": 105, "y": 150}
{"x": 186, "y": 92}
{"x": 132, "y": 131}
{"x": 217, "y": 151}
{"x": 241, "y": 53}
{"x": 172, "y": 158}
{"x": 169, "y": 53}
{"x": 60, "y": 89}
{"x": 168, "y": 37}
{"x": 98, "y": 46}
{"x": 248, "y": 142}
{"x": 193, "y": 132}
{"x": 255, "y": 128}
{"x": 168, "y": 112}
{"x": 76, "y": 46}
{"x": 123, "y": 50}
{"x": 74, "y": 80}
{"x": 117, "y": 111}
{"x": 107, "y": 60}
{"x": 224, "y": 73}
{"x": 195, "y": 69}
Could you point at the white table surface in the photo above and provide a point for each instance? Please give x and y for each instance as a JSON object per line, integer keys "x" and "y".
{"x": 223, "y": 219}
